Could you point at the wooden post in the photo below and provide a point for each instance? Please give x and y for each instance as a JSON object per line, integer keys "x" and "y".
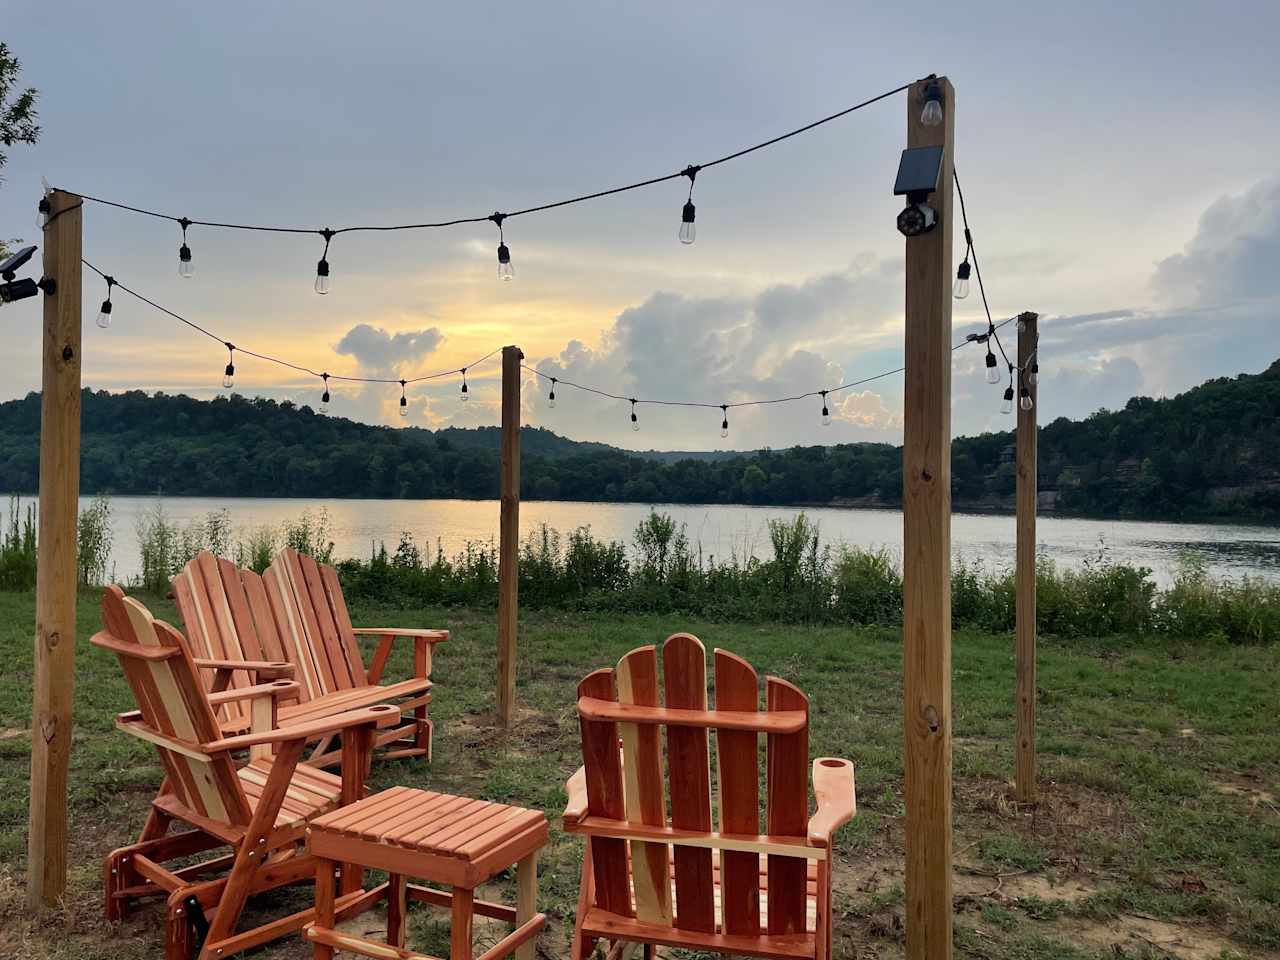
{"x": 926, "y": 504}
{"x": 55, "y": 640}
{"x": 509, "y": 535}
{"x": 1025, "y": 644}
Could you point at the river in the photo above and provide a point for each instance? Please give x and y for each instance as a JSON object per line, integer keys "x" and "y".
{"x": 722, "y": 530}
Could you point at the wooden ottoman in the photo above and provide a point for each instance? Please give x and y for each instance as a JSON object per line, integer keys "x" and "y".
{"x": 443, "y": 839}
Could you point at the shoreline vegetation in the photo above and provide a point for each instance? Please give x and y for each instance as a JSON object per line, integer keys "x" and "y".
{"x": 804, "y": 581}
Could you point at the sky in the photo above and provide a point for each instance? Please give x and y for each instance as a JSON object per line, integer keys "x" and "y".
{"x": 1119, "y": 163}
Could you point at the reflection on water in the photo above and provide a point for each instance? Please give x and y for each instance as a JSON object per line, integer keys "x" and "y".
{"x": 725, "y": 530}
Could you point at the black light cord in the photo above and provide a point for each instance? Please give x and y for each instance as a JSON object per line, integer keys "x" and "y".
{"x": 515, "y": 213}
{"x": 112, "y": 282}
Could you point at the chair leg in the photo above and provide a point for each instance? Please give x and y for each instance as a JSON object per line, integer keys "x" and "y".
{"x": 114, "y": 878}
{"x": 526, "y": 900}
{"x": 583, "y": 945}
{"x": 325, "y": 886}
{"x": 396, "y": 909}
{"x": 650, "y": 951}
{"x": 425, "y": 731}
{"x": 460, "y": 932}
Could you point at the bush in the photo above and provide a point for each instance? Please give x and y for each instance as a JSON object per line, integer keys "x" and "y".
{"x": 18, "y": 548}
{"x": 93, "y": 542}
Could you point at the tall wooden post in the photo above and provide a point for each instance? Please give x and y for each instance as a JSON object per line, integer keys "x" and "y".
{"x": 926, "y": 614}
{"x": 509, "y": 536}
{"x": 55, "y": 640}
{"x": 1025, "y": 585}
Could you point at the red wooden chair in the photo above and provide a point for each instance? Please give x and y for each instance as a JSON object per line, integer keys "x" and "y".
{"x": 257, "y": 810}
{"x": 293, "y": 621}
{"x": 729, "y": 887}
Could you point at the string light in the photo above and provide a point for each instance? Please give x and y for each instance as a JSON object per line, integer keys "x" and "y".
{"x": 931, "y": 115}
{"x": 42, "y": 213}
{"x": 404, "y": 401}
{"x": 505, "y": 270}
{"x": 688, "y": 229}
{"x": 1034, "y": 376}
{"x": 960, "y": 289}
{"x": 551, "y": 397}
{"x": 186, "y": 269}
{"x": 724, "y": 423}
{"x": 104, "y": 312}
{"x": 993, "y": 375}
{"x": 826, "y": 414}
{"x": 1024, "y": 398}
{"x": 322, "y": 268}
{"x": 635, "y": 423}
{"x": 465, "y": 395}
{"x": 229, "y": 375}
{"x": 1006, "y": 405}
{"x": 324, "y": 397}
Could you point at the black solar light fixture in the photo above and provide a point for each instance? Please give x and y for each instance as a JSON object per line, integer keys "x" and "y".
{"x": 918, "y": 174}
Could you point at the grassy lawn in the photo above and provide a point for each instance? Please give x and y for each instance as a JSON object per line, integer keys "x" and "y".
{"x": 1158, "y": 832}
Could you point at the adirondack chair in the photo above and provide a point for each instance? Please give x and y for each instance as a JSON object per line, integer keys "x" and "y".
{"x": 259, "y": 809}
{"x": 293, "y": 621}
{"x": 728, "y": 888}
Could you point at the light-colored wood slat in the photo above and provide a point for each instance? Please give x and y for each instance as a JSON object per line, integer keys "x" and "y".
{"x": 699, "y": 840}
{"x": 241, "y": 617}
{"x": 288, "y": 619}
{"x": 684, "y": 675}
{"x": 346, "y": 635}
{"x": 330, "y": 648}
{"x": 264, "y": 621}
{"x": 737, "y": 753}
{"x": 645, "y": 802}
{"x": 788, "y": 721}
{"x": 605, "y": 797}
{"x": 787, "y": 813}
{"x": 291, "y": 566}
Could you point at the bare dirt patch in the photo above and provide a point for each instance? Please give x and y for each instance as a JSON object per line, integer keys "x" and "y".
{"x": 1250, "y": 791}
{"x": 1130, "y": 932}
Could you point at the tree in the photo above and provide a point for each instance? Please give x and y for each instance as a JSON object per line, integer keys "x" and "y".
{"x": 17, "y": 114}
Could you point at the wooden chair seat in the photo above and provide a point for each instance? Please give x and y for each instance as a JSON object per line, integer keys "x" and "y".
{"x": 311, "y": 791}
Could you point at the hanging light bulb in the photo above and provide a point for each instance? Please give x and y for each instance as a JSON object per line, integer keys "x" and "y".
{"x": 186, "y": 269}
{"x": 1024, "y": 399}
{"x": 229, "y": 375}
{"x": 635, "y": 423}
{"x": 931, "y": 115}
{"x": 465, "y": 395}
{"x": 404, "y": 401}
{"x": 1034, "y": 376}
{"x": 505, "y": 270}
{"x": 993, "y": 375}
{"x": 322, "y": 268}
{"x": 1006, "y": 405}
{"x": 688, "y": 229}
{"x": 104, "y": 312}
{"x": 1022, "y": 325}
{"x": 724, "y": 423}
{"x": 551, "y": 397}
{"x": 42, "y": 213}
{"x": 960, "y": 289}
{"x": 826, "y": 414}
{"x": 324, "y": 397}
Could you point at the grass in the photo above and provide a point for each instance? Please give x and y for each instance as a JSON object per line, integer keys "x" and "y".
{"x": 1156, "y": 834}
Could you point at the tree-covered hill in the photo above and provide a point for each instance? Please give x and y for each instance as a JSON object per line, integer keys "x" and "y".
{"x": 1213, "y": 451}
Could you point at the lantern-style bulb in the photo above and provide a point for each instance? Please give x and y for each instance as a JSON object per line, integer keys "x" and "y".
{"x": 1006, "y": 405}
{"x": 551, "y": 397}
{"x": 826, "y": 417}
{"x": 931, "y": 115}
{"x": 1034, "y": 376}
{"x": 724, "y": 423}
{"x": 993, "y": 375}
{"x": 42, "y": 213}
{"x": 960, "y": 289}
{"x": 505, "y": 270}
{"x": 322, "y": 276}
{"x": 1024, "y": 399}
{"x": 688, "y": 229}
{"x": 404, "y": 406}
{"x": 186, "y": 269}
{"x": 229, "y": 376}
{"x": 104, "y": 315}
{"x": 465, "y": 395}
{"x": 635, "y": 424}
{"x": 324, "y": 397}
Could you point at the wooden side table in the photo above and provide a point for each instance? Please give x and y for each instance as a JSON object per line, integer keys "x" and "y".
{"x": 443, "y": 839}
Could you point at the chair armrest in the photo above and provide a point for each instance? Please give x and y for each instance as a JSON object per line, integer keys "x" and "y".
{"x": 834, "y": 789}
{"x": 576, "y": 787}
{"x": 430, "y": 636}
{"x": 264, "y": 669}
{"x": 280, "y": 689}
{"x": 382, "y": 715}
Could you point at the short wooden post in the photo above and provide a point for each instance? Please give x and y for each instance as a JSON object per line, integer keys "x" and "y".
{"x": 926, "y": 472}
{"x": 509, "y": 536}
{"x": 1025, "y": 604}
{"x": 55, "y": 640}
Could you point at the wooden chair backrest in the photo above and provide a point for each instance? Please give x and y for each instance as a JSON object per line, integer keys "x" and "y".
{"x": 628, "y": 784}
{"x": 173, "y": 702}
{"x": 227, "y": 616}
{"x": 315, "y": 628}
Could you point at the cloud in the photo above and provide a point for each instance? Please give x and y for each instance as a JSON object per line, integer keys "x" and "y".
{"x": 1233, "y": 254}
{"x": 375, "y": 349}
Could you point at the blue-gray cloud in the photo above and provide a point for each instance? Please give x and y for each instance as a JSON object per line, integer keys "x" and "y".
{"x": 377, "y": 349}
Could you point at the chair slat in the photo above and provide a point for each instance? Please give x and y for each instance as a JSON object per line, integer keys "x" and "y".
{"x": 264, "y": 619}
{"x": 240, "y": 618}
{"x": 299, "y": 595}
{"x": 605, "y": 797}
{"x": 293, "y": 635}
{"x": 684, "y": 675}
{"x": 738, "y": 752}
{"x": 346, "y": 633}
{"x": 330, "y": 648}
{"x": 637, "y": 679}
{"x": 788, "y": 809}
